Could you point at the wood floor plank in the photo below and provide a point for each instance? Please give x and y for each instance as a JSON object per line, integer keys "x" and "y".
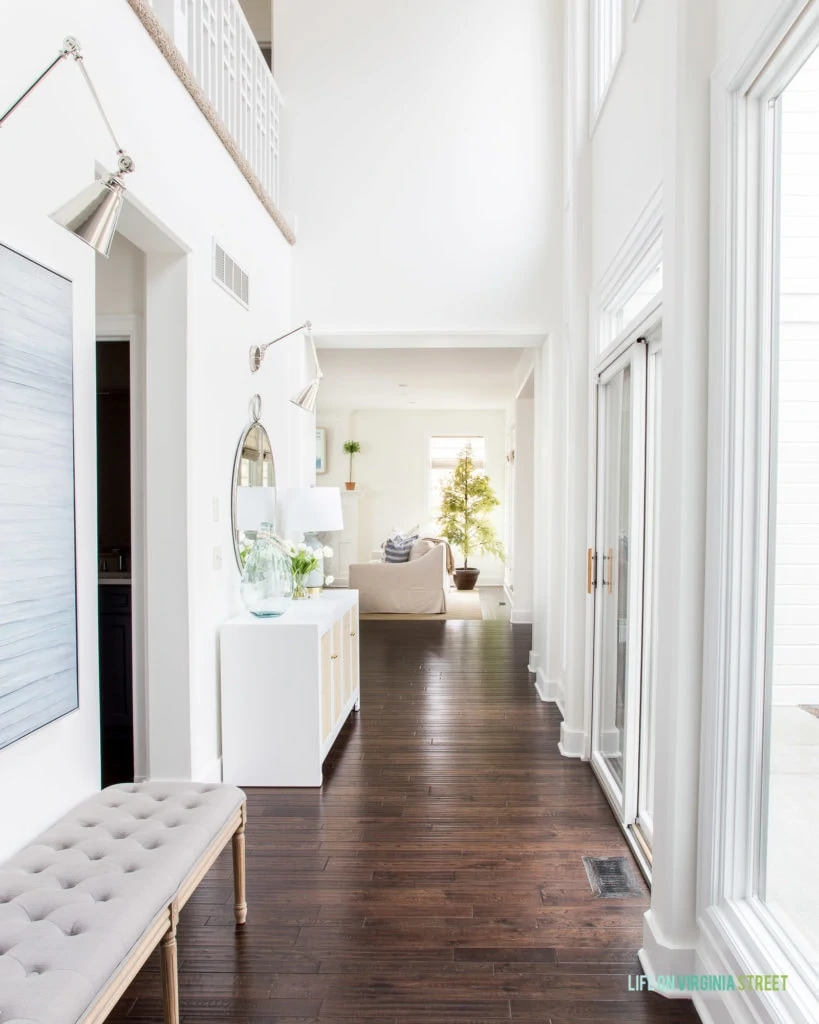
{"x": 435, "y": 878}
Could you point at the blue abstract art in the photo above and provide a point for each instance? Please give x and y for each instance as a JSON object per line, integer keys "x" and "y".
{"x": 38, "y": 604}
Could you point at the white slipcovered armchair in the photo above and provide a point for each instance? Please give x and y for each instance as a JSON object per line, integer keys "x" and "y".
{"x": 417, "y": 587}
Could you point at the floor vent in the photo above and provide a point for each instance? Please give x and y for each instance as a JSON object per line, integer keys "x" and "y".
{"x": 612, "y": 878}
{"x": 228, "y": 273}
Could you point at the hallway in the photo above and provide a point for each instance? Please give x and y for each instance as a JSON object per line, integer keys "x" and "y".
{"x": 436, "y": 878}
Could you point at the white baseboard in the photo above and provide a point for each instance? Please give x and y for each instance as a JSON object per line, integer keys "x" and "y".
{"x": 534, "y": 661}
{"x": 722, "y": 949}
{"x": 547, "y": 689}
{"x": 658, "y": 956}
{"x": 714, "y": 1007}
{"x": 541, "y": 686}
{"x": 213, "y": 774}
{"x": 572, "y": 741}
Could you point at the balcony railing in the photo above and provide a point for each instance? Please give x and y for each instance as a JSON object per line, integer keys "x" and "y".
{"x": 221, "y": 51}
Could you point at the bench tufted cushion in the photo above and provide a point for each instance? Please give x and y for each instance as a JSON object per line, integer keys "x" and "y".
{"x": 77, "y": 900}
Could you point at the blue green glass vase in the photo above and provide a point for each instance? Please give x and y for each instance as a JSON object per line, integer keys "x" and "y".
{"x": 267, "y": 579}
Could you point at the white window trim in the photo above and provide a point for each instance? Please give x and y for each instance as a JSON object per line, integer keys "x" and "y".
{"x": 738, "y": 933}
{"x": 599, "y": 91}
{"x": 639, "y": 254}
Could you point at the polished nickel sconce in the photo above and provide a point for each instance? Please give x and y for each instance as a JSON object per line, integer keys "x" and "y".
{"x": 92, "y": 215}
{"x": 306, "y": 398}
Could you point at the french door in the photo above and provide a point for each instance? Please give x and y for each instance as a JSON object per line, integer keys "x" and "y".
{"x": 621, "y": 566}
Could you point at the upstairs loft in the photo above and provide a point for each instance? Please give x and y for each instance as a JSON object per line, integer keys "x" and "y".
{"x": 225, "y": 63}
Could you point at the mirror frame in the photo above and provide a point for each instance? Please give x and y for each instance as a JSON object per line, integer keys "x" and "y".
{"x": 255, "y": 422}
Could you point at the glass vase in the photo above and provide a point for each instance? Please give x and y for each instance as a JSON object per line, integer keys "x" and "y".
{"x": 267, "y": 579}
{"x": 299, "y": 588}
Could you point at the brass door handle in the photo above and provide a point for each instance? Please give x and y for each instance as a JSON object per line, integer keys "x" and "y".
{"x": 591, "y": 570}
{"x": 609, "y": 583}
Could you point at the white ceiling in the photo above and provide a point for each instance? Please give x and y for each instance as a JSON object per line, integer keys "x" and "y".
{"x": 430, "y": 378}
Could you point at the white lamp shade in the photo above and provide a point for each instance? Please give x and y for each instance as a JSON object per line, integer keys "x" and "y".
{"x": 311, "y": 510}
{"x": 254, "y": 506}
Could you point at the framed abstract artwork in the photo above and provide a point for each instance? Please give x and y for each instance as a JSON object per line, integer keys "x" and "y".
{"x": 321, "y": 449}
{"x": 38, "y": 602}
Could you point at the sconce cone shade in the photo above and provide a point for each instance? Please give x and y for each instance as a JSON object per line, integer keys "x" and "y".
{"x": 93, "y": 215}
{"x": 306, "y": 398}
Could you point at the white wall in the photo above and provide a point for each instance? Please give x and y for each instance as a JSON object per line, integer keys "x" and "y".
{"x": 338, "y": 427}
{"x": 392, "y": 470}
{"x": 523, "y": 511}
{"x": 627, "y": 145}
{"x": 796, "y": 602}
{"x": 164, "y": 132}
{"x": 120, "y": 280}
{"x": 653, "y": 129}
{"x": 423, "y": 161}
{"x": 259, "y": 14}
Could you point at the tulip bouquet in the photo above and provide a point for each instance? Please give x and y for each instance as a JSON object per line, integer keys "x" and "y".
{"x": 303, "y": 562}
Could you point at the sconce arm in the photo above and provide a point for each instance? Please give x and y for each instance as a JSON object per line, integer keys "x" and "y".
{"x": 319, "y": 374}
{"x": 257, "y": 351}
{"x": 71, "y": 48}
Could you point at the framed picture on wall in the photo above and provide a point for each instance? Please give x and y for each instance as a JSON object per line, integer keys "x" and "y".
{"x": 321, "y": 450}
{"x": 38, "y": 604}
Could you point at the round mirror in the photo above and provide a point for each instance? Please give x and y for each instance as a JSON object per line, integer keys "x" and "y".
{"x": 253, "y": 489}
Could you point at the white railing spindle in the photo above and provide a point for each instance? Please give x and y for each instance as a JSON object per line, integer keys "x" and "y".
{"x": 229, "y": 67}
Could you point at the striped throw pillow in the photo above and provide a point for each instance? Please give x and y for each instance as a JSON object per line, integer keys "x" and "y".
{"x": 397, "y": 549}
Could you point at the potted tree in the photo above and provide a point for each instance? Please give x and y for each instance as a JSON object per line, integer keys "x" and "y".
{"x": 467, "y": 499}
{"x": 351, "y": 448}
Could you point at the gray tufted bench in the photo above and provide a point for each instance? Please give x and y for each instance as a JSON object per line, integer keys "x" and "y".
{"x": 84, "y": 905}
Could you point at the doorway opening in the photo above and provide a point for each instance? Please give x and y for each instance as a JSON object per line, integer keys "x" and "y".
{"x": 114, "y": 560}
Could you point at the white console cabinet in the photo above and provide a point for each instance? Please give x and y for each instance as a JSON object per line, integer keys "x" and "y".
{"x": 288, "y": 686}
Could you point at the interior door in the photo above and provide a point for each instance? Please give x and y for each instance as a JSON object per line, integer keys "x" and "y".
{"x": 617, "y": 670}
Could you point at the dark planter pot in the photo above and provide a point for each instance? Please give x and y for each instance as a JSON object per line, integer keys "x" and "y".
{"x": 465, "y": 579}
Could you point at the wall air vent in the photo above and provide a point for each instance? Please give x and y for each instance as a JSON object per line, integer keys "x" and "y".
{"x": 228, "y": 273}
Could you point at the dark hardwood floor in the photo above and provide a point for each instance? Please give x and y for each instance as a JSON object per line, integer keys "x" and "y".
{"x": 436, "y": 877}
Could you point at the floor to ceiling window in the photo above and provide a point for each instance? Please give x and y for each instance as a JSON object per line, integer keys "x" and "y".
{"x": 789, "y": 882}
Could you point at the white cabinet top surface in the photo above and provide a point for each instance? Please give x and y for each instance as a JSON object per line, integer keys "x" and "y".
{"x": 320, "y": 611}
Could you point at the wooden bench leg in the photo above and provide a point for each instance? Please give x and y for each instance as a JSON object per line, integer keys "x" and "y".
{"x": 240, "y": 906}
{"x": 169, "y": 968}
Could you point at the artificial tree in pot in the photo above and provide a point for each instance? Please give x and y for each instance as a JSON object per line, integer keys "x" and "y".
{"x": 467, "y": 500}
{"x": 351, "y": 448}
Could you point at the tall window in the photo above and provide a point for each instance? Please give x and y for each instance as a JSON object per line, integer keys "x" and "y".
{"x": 443, "y": 455}
{"x": 791, "y": 780}
{"x": 606, "y": 43}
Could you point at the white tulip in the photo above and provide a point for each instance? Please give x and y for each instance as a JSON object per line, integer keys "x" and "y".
{"x": 328, "y": 580}
{"x": 328, "y": 552}
{"x": 302, "y": 546}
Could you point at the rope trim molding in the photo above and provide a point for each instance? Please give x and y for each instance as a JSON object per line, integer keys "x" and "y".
{"x": 169, "y": 51}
